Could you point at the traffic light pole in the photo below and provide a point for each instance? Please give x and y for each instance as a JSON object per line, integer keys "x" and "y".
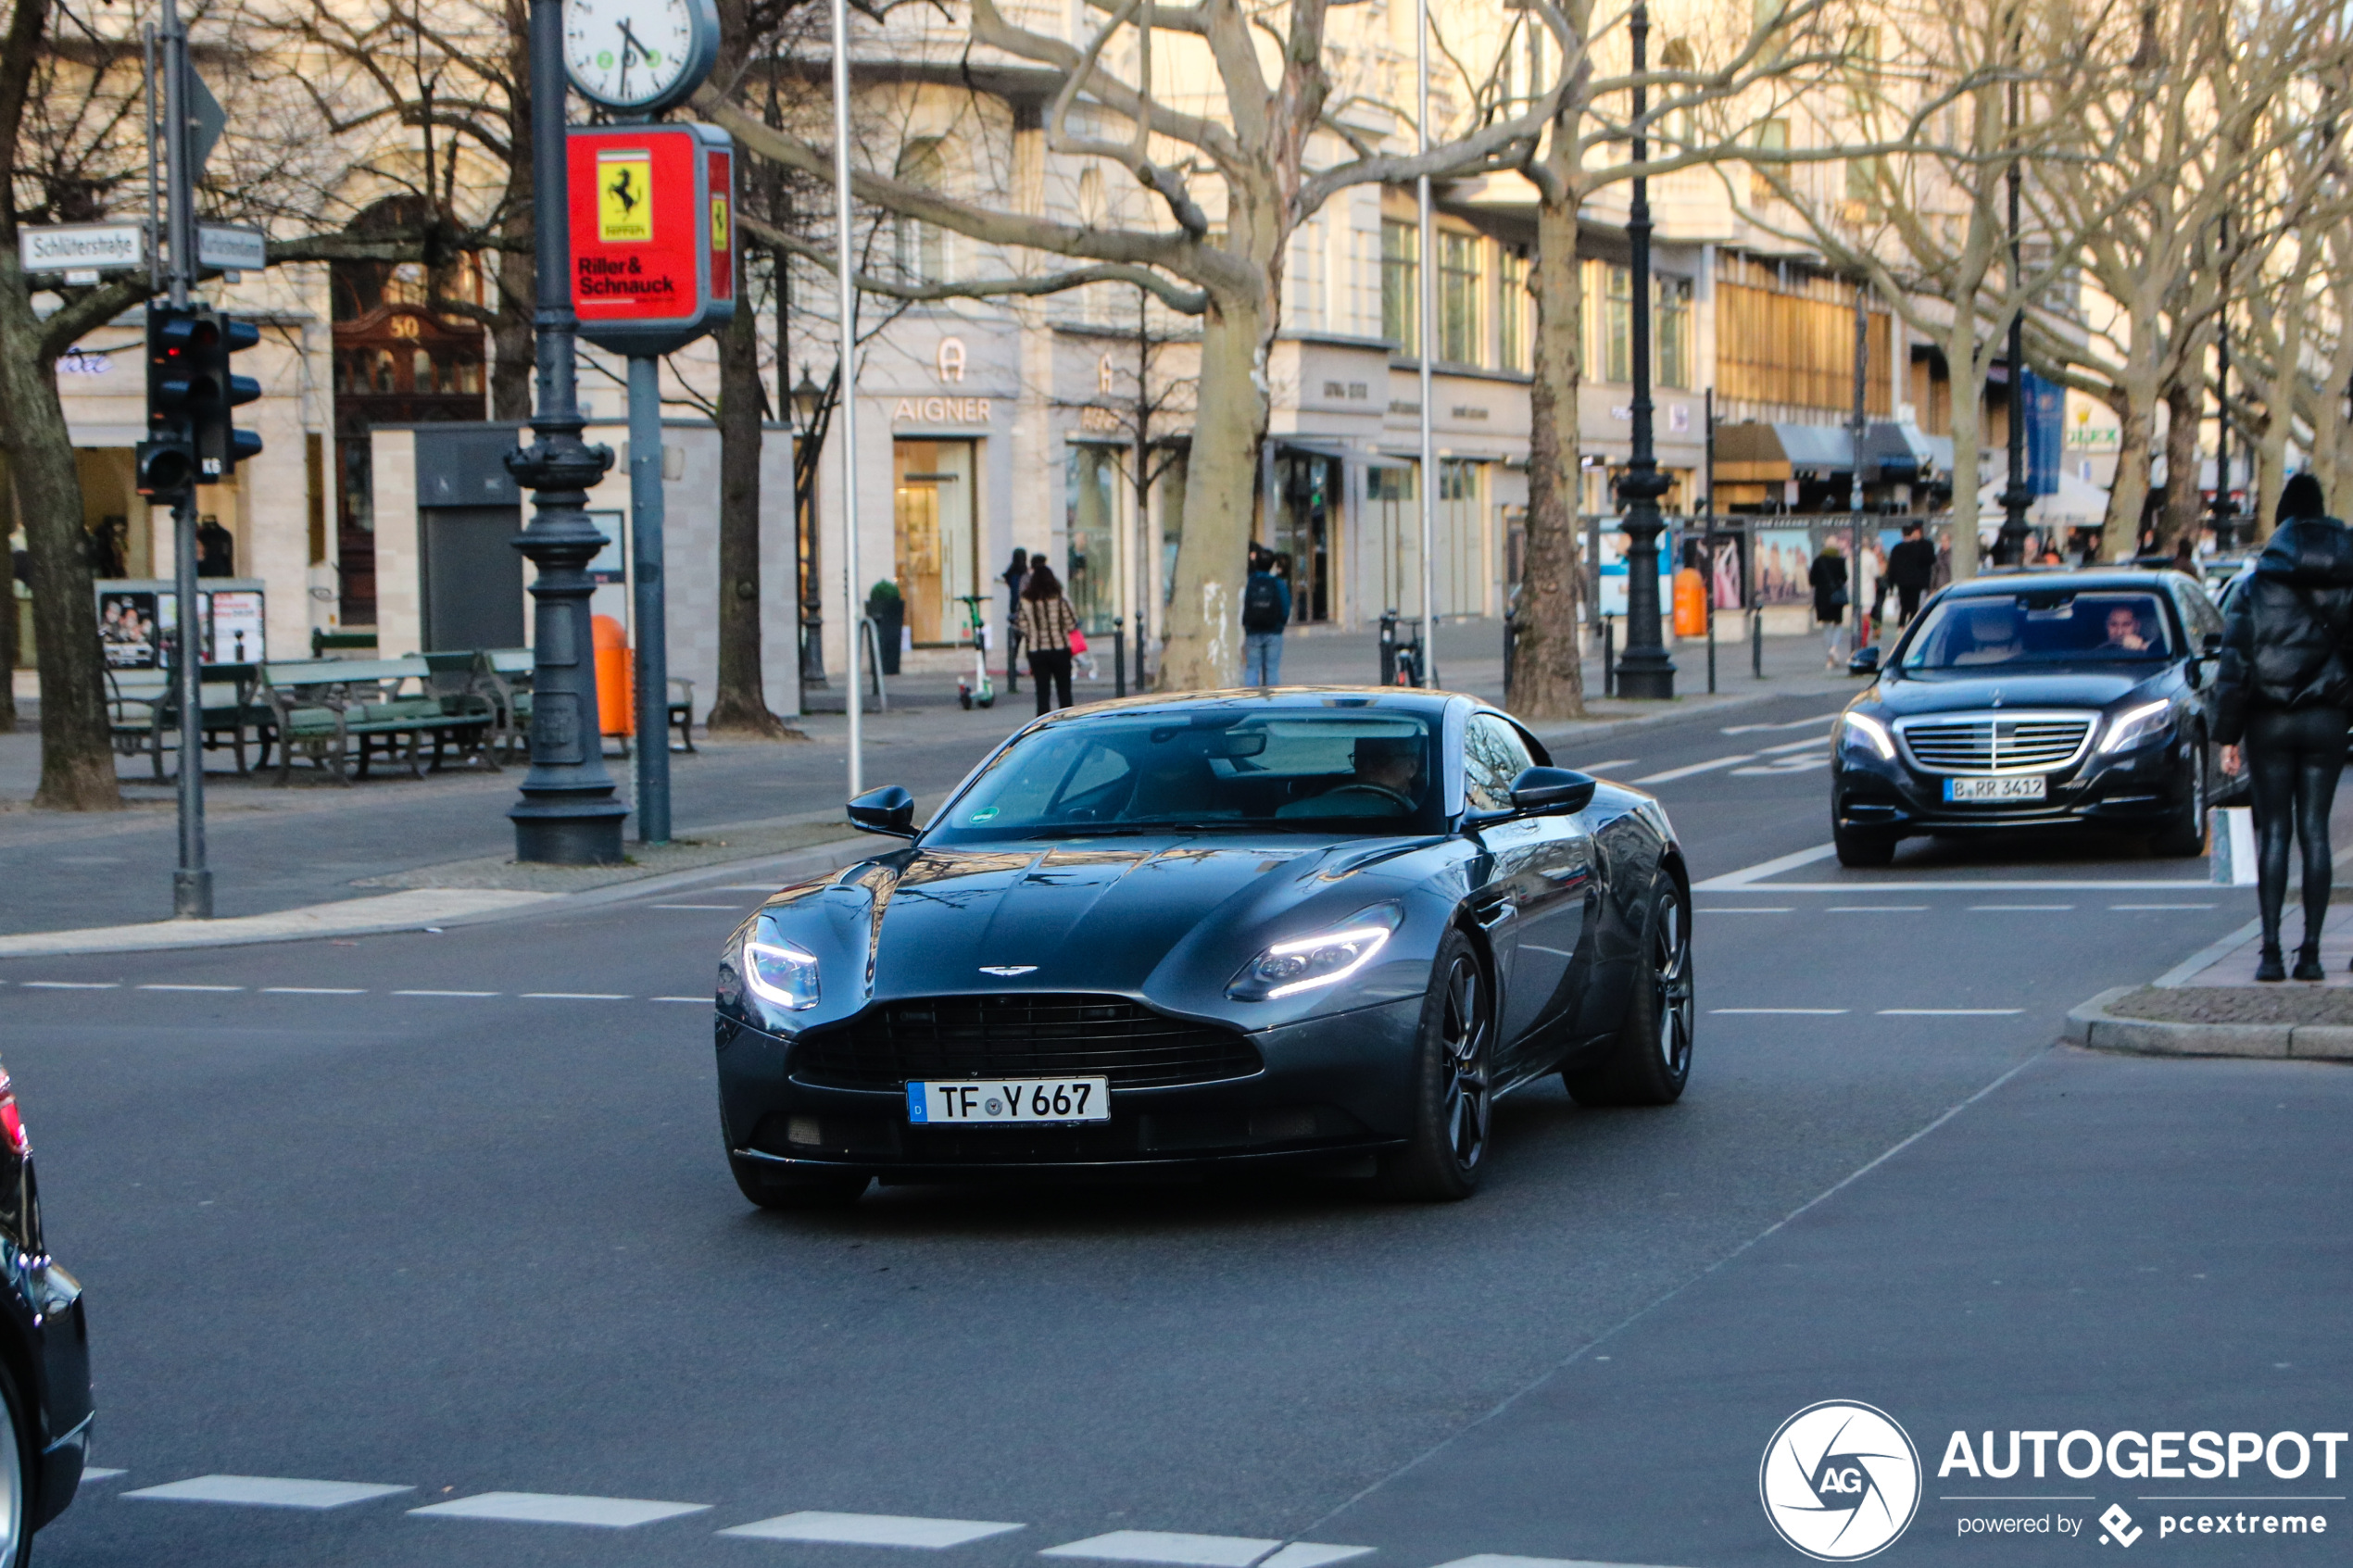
{"x": 192, "y": 883}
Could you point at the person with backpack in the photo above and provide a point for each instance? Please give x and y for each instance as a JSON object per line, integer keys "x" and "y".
{"x": 1266, "y": 611}
{"x": 1046, "y": 622}
{"x": 1827, "y": 577}
{"x": 2283, "y": 687}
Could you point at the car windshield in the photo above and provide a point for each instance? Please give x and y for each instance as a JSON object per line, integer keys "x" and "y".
{"x": 1341, "y": 771}
{"x": 2051, "y": 627}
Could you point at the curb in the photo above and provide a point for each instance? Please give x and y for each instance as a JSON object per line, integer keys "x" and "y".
{"x": 2093, "y": 1027}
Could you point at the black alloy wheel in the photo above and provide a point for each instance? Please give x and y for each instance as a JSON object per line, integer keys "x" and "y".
{"x": 1453, "y": 1083}
{"x": 2184, "y": 831}
{"x": 1650, "y": 1060}
{"x": 780, "y": 1187}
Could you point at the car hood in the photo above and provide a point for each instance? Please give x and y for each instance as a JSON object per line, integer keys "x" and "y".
{"x": 1958, "y": 693}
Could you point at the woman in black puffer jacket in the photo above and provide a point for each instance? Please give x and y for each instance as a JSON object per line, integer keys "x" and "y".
{"x": 2284, "y": 689}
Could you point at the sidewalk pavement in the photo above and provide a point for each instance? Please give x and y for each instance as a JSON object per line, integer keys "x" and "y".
{"x": 297, "y": 856}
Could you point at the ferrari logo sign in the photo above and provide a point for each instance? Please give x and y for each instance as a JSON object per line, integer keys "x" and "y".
{"x": 624, "y": 196}
{"x": 719, "y": 223}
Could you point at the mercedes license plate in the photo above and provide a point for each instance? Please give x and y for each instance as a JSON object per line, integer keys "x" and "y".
{"x": 980, "y": 1101}
{"x": 2028, "y": 788}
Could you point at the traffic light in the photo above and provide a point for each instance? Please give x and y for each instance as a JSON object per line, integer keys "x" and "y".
{"x": 220, "y": 447}
{"x": 166, "y": 459}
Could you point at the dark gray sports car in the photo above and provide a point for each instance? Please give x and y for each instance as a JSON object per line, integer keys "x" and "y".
{"x": 1306, "y": 924}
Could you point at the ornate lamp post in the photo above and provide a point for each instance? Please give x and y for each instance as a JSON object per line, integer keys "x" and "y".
{"x": 807, "y": 397}
{"x": 567, "y": 815}
{"x": 2017, "y": 496}
{"x": 1644, "y": 669}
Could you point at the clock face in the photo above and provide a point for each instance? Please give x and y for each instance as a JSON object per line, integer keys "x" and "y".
{"x": 634, "y": 54}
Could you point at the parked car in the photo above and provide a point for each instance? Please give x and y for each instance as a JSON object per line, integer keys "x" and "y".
{"x": 2027, "y": 700}
{"x": 1321, "y": 925}
{"x": 45, "y": 1355}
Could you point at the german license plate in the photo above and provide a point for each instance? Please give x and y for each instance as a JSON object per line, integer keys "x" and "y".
{"x": 987, "y": 1101}
{"x": 2031, "y": 788}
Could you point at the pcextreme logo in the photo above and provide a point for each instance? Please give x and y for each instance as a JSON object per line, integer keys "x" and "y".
{"x": 1840, "y": 1481}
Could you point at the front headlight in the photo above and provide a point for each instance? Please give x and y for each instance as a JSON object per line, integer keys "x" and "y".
{"x": 1310, "y": 963}
{"x": 2137, "y": 726}
{"x": 780, "y": 973}
{"x": 1860, "y": 732}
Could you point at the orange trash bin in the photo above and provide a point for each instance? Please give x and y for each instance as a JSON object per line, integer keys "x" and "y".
{"x": 616, "y": 684}
{"x": 1691, "y": 603}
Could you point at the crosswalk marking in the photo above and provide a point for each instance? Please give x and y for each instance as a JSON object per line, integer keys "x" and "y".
{"x": 1167, "y": 1546}
{"x": 872, "y": 1529}
{"x": 263, "y": 1491}
{"x": 549, "y": 1508}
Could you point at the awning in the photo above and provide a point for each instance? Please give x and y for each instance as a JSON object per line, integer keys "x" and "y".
{"x": 1316, "y": 446}
{"x": 1754, "y": 451}
{"x": 2079, "y": 504}
{"x": 1898, "y": 454}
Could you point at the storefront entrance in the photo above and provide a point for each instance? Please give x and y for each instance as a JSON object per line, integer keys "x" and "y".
{"x": 938, "y": 544}
{"x": 1306, "y": 519}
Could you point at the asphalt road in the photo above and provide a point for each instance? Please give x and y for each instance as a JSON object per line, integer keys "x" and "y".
{"x": 447, "y": 1214}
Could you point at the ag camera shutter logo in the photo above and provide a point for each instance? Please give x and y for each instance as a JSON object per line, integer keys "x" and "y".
{"x": 1840, "y": 1481}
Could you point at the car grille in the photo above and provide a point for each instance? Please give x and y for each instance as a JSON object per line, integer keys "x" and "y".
{"x": 1046, "y": 1035}
{"x": 2026, "y": 743}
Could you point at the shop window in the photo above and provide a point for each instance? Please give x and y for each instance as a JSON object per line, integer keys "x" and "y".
{"x": 1400, "y": 278}
{"x": 1511, "y": 311}
{"x": 421, "y": 370}
{"x": 921, "y": 248}
{"x": 1674, "y": 332}
{"x": 1458, "y": 298}
{"x": 1094, "y": 486}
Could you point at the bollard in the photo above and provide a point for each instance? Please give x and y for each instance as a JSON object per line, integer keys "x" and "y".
{"x": 1756, "y": 641}
{"x": 1609, "y": 657}
{"x": 1388, "y": 648}
{"x": 1119, "y": 656}
{"x": 1711, "y": 638}
{"x": 1511, "y": 647}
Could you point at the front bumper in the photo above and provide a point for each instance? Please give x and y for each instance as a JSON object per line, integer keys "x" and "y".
{"x": 1331, "y": 1089}
{"x": 2135, "y": 790}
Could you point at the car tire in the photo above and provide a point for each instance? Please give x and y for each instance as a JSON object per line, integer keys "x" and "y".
{"x": 19, "y": 1474}
{"x": 1650, "y": 1060}
{"x": 1861, "y": 847}
{"x": 796, "y": 1191}
{"x": 1453, "y": 1083}
{"x": 2184, "y": 834}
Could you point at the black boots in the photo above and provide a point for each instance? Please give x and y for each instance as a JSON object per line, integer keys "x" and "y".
{"x": 2269, "y": 966}
{"x": 2308, "y": 963}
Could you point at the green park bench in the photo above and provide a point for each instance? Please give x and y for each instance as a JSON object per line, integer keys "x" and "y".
{"x": 504, "y": 678}
{"x": 338, "y": 712}
{"x": 142, "y": 709}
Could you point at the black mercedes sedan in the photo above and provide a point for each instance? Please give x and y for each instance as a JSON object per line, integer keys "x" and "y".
{"x": 1298, "y": 926}
{"x": 2026, "y": 699}
{"x": 45, "y": 1355}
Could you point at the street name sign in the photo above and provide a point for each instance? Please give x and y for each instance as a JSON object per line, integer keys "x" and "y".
{"x": 232, "y": 249}
{"x": 83, "y": 248}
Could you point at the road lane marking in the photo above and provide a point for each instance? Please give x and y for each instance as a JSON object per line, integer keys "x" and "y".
{"x": 1613, "y": 762}
{"x": 313, "y": 991}
{"x": 698, "y": 1002}
{"x": 575, "y": 997}
{"x": 266, "y": 1491}
{"x": 1752, "y": 879}
{"x": 1708, "y": 767}
{"x": 162, "y": 988}
{"x": 730, "y": 907}
{"x": 2161, "y": 905}
{"x": 1877, "y": 908}
{"x": 1793, "y": 725}
{"x": 1732, "y": 881}
{"x": 1789, "y": 1012}
{"x": 549, "y": 1508}
{"x": 100, "y": 1473}
{"x": 444, "y": 993}
{"x": 1950, "y": 1012}
{"x": 1782, "y": 768}
{"x": 69, "y": 984}
{"x": 1313, "y": 1554}
{"x": 1167, "y": 1546}
{"x": 1759, "y": 910}
{"x": 872, "y": 1529}
{"x": 2015, "y": 909}
{"x": 1788, "y": 747}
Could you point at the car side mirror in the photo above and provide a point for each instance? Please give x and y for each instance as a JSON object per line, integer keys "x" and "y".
{"x": 1864, "y": 663}
{"x": 1552, "y": 790}
{"x": 889, "y": 810}
{"x": 2212, "y": 645}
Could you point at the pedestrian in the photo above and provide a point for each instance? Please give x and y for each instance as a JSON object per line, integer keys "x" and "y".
{"x": 1911, "y": 566}
{"x": 1266, "y": 611}
{"x": 2283, "y": 687}
{"x": 1827, "y": 576}
{"x": 1046, "y": 624}
{"x": 216, "y": 549}
{"x": 1013, "y": 576}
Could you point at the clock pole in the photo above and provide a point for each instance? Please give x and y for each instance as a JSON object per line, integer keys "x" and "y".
{"x": 567, "y": 815}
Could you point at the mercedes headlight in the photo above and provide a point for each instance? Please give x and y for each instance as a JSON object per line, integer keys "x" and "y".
{"x": 1860, "y": 732}
{"x": 2137, "y": 726}
{"x": 1310, "y": 963}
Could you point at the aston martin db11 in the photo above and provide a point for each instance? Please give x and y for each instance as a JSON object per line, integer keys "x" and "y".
{"x": 1299, "y": 925}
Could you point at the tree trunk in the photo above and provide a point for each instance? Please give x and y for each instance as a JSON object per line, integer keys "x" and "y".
{"x": 7, "y": 642}
{"x": 1968, "y": 397}
{"x": 511, "y": 350}
{"x": 740, "y": 705}
{"x": 1203, "y": 650}
{"x": 77, "y": 757}
{"x": 1548, "y": 670}
{"x": 2179, "y": 520}
{"x": 2128, "y": 494}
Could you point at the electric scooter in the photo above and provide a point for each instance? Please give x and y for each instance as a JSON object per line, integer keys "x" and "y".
{"x": 978, "y": 687}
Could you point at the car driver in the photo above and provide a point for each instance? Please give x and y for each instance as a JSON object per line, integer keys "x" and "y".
{"x": 2124, "y": 631}
{"x": 1386, "y": 782}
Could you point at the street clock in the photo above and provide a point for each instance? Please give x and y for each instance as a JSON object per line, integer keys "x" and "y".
{"x": 639, "y": 56}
